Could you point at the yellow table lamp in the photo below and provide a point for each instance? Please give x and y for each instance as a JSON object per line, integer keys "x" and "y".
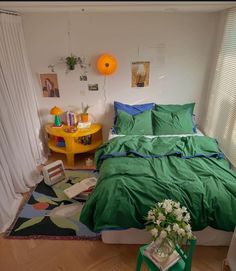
{"x": 56, "y": 111}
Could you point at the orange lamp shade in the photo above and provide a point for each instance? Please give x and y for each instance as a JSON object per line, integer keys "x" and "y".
{"x": 56, "y": 111}
{"x": 106, "y": 64}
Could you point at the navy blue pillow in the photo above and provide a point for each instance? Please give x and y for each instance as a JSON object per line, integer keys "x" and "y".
{"x": 131, "y": 109}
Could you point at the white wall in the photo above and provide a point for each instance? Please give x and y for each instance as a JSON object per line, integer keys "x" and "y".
{"x": 179, "y": 46}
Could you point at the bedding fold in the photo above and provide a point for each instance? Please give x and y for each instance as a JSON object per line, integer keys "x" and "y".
{"x": 136, "y": 172}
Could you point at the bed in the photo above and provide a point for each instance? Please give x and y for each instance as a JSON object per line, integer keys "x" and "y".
{"x": 157, "y": 156}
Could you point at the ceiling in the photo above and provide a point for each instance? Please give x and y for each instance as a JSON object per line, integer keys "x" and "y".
{"x": 117, "y": 6}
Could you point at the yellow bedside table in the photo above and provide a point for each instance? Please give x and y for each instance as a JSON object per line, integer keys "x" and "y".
{"x": 73, "y": 141}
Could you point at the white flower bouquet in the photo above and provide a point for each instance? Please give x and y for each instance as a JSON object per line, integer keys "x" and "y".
{"x": 168, "y": 221}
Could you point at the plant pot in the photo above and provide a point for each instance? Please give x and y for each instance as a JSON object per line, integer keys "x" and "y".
{"x": 71, "y": 67}
{"x": 84, "y": 117}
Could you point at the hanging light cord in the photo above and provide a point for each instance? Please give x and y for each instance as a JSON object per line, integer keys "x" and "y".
{"x": 104, "y": 91}
{"x": 69, "y": 36}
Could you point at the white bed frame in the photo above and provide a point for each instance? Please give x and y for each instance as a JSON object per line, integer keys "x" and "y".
{"x": 206, "y": 237}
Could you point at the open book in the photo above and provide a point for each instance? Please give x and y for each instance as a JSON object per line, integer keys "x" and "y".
{"x": 80, "y": 187}
{"x": 162, "y": 263}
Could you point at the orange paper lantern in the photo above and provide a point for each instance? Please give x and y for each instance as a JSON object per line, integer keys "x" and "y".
{"x": 106, "y": 64}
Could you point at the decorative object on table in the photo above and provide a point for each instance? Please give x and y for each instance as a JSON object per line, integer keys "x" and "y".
{"x": 163, "y": 263}
{"x": 84, "y": 114}
{"x": 180, "y": 260}
{"x": 71, "y": 120}
{"x": 84, "y": 125}
{"x": 169, "y": 225}
{"x": 71, "y": 129}
{"x": 50, "y": 214}
{"x": 54, "y": 172}
{"x": 56, "y": 111}
{"x": 106, "y": 64}
{"x": 140, "y": 73}
{"x": 49, "y": 85}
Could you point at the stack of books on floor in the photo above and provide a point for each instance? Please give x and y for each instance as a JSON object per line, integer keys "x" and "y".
{"x": 84, "y": 195}
{"x": 162, "y": 263}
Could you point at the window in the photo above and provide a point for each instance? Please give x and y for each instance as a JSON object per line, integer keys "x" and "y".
{"x": 221, "y": 112}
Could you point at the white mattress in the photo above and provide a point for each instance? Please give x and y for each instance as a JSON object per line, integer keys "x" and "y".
{"x": 206, "y": 237}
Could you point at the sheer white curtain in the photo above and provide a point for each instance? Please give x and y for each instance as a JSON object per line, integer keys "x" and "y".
{"x": 221, "y": 114}
{"x": 21, "y": 149}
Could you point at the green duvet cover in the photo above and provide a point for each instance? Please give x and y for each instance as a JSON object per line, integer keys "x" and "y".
{"x": 136, "y": 172}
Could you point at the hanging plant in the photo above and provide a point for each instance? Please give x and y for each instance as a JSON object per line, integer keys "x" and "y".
{"x": 71, "y": 61}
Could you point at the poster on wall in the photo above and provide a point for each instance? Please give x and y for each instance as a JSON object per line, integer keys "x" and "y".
{"x": 140, "y": 73}
{"x": 49, "y": 85}
{"x": 93, "y": 87}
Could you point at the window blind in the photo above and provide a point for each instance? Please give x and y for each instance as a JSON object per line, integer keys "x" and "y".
{"x": 221, "y": 112}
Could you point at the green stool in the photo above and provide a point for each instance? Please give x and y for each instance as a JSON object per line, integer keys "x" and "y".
{"x": 184, "y": 264}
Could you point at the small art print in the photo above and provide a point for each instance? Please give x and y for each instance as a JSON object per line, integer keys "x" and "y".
{"x": 140, "y": 73}
{"x": 93, "y": 87}
{"x": 49, "y": 85}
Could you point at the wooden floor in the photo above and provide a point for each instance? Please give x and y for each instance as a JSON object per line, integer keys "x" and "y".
{"x": 58, "y": 255}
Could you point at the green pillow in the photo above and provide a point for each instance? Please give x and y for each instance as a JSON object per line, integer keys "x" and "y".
{"x": 174, "y": 107}
{"x": 172, "y": 123}
{"x": 140, "y": 124}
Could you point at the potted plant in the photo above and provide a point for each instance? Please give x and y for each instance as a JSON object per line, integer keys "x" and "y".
{"x": 169, "y": 225}
{"x": 84, "y": 114}
{"x": 71, "y": 61}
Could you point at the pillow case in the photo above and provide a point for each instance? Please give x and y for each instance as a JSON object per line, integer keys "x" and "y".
{"x": 140, "y": 124}
{"x": 172, "y": 123}
{"x": 174, "y": 107}
{"x": 177, "y": 107}
{"x": 131, "y": 109}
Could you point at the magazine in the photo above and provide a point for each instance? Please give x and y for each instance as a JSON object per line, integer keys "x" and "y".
{"x": 162, "y": 263}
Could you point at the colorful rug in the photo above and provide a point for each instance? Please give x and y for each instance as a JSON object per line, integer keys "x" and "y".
{"x": 49, "y": 214}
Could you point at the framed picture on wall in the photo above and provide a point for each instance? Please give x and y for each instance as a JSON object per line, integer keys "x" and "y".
{"x": 140, "y": 73}
{"x": 49, "y": 85}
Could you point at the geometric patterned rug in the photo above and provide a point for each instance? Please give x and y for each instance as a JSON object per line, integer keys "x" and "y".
{"x": 50, "y": 214}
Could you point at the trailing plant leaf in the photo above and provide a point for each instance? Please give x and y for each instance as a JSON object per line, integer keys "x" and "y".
{"x": 64, "y": 223}
{"x": 30, "y": 222}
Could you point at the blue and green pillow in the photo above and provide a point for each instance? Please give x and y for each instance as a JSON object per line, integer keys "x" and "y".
{"x": 162, "y": 120}
{"x": 131, "y": 109}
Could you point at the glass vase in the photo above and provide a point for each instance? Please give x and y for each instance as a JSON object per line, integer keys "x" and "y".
{"x": 164, "y": 247}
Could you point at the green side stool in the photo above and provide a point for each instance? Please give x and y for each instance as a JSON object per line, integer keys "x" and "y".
{"x": 184, "y": 264}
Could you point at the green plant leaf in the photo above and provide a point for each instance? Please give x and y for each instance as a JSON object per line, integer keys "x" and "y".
{"x": 30, "y": 222}
{"x": 46, "y": 199}
{"x": 64, "y": 223}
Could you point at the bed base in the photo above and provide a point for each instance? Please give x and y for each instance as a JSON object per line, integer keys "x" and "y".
{"x": 206, "y": 237}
